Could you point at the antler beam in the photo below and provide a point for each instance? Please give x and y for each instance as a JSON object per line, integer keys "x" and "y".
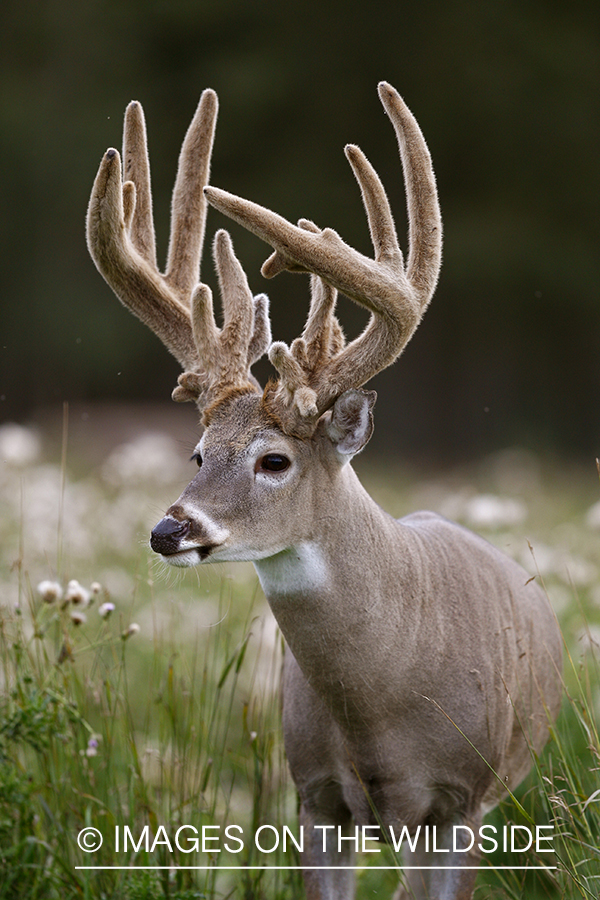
{"x": 395, "y": 294}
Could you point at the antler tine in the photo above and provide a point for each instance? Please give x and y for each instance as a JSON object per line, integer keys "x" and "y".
{"x": 396, "y": 296}
{"x": 189, "y": 207}
{"x": 321, "y": 341}
{"x": 238, "y": 311}
{"x": 322, "y": 336}
{"x": 322, "y": 333}
{"x": 120, "y": 231}
{"x": 377, "y": 207}
{"x": 226, "y": 353}
{"x": 424, "y": 221}
{"x": 136, "y": 171}
{"x": 135, "y": 281}
{"x": 261, "y": 334}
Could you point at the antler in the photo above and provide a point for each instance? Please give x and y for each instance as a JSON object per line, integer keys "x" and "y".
{"x": 121, "y": 241}
{"x": 318, "y": 367}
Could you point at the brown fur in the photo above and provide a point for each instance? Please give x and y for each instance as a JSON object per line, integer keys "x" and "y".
{"x": 219, "y": 404}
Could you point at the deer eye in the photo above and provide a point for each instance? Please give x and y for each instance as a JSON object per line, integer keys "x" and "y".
{"x": 274, "y": 462}
{"x": 197, "y": 457}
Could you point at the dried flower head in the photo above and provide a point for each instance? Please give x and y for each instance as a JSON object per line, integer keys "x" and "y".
{"x": 77, "y": 594}
{"x": 130, "y": 631}
{"x": 49, "y": 591}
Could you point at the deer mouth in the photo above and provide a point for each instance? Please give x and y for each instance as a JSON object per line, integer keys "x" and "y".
{"x": 188, "y": 556}
{"x": 202, "y": 552}
{"x": 171, "y": 539}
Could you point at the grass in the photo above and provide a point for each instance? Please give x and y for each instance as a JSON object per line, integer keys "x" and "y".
{"x": 139, "y": 732}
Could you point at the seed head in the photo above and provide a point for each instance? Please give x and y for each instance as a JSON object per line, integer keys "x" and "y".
{"x": 77, "y": 594}
{"x": 49, "y": 591}
{"x": 134, "y": 628}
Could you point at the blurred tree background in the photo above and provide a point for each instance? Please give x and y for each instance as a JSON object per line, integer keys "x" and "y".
{"x": 507, "y": 96}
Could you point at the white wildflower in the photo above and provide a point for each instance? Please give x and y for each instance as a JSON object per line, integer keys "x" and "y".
{"x": 49, "y": 591}
{"x": 92, "y": 747}
{"x": 45, "y": 490}
{"x": 77, "y": 594}
{"x": 490, "y": 511}
{"x": 106, "y": 609}
{"x": 95, "y": 588}
{"x": 134, "y": 628}
{"x": 150, "y": 457}
{"x": 19, "y": 446}
{"x": 78, "y": 617}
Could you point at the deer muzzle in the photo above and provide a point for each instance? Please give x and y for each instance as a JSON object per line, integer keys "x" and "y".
{"x": 166, "y": 537}
{"x": 182, "y": 540}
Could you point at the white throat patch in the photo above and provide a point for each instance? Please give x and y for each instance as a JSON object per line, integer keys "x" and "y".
{"x": 299, "y": 570}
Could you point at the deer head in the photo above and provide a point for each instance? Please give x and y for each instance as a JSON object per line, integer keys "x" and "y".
{"x": 315, "y": 405}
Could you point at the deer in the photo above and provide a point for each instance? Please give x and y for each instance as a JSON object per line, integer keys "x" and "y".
{"x": 422, "y": 665}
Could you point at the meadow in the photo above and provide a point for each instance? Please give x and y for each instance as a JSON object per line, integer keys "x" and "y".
{"x": 143, "y": 702}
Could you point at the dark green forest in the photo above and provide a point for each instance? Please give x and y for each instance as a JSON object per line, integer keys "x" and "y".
{"x": 506, "y": 94}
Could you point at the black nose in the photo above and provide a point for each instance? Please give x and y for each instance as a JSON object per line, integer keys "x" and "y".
{"x": 165, "y": 536}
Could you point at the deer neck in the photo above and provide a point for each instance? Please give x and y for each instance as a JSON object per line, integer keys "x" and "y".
{"x": 328, "y": 548}
{"x": 316, "y": 590}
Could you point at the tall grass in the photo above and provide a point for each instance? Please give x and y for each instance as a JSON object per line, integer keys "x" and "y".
{"x": 88, "y": 741}
{"x": 177, "y": 724}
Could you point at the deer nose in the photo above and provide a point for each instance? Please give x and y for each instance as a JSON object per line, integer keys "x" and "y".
{"x": 165, "y": 536}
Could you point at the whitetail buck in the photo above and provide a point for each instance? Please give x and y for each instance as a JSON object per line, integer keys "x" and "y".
{"x": 423, "y": 666}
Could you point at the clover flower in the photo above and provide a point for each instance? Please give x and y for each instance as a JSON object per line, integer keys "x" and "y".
{"x": 92, "y": 747}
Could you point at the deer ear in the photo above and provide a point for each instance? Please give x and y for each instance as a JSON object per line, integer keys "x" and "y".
{"x": 351, "y": 422}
